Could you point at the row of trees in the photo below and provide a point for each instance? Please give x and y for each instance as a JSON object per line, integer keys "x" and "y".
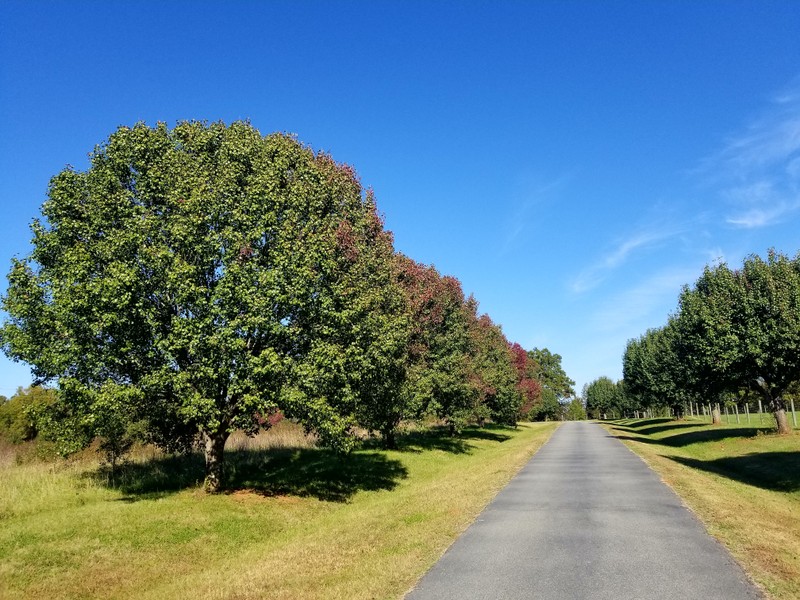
{"x": 197, "y": 280}
{"x": 736, "y": 331}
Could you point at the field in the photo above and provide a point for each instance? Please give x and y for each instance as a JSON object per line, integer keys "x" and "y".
{"x": 742, "y": 481}
{"x": 300, "y": 522}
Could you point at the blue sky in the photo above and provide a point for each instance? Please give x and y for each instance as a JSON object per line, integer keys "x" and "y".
{"x": 572, "y": 163}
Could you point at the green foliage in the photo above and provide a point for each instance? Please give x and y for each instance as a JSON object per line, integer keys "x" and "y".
{"x": 195, "y": 278}
{"x": 604, "y": 398}
{"x": 493, "y": 375}
{"x": 736, "y": 330}
{"x": 575, "y": 411}
{"x": 548, "y": 409}
{"x": 547, "y": 369}
{"x": 741, "y": 329}
{"x": 655, "y": 372}
{"x": 18, "y": 414}
{"x": 439, "y": 345}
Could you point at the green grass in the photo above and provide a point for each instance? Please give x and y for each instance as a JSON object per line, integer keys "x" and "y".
{"x": 298, "y": 522}
{"x": 764, "y": 419}
{"x": 743, "y": 482}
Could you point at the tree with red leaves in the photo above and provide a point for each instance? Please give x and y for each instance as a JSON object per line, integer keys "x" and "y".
{"x": 527, "y": 384}
{"x": 493, "y": 375}
{"x": 439, "y": 345}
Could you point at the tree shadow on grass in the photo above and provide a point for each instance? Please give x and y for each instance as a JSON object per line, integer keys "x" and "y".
{"x": 703, "y": 435}
{"x": 659, "y": 428}
{"x": 643, "y": 423}
{"x": 308, "y": 472}
{"x": 153, "y": 478}
{"x": 439, "y": 438}
{"x": 777, "y": 471}
{"x": 317, "y": 473}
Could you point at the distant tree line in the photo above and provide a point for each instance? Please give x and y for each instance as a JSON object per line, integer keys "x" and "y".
{"x": 198, "y": 280}
{"x": 736, "y": 334}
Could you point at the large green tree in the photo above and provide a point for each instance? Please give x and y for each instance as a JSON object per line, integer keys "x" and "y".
{"x": 198, "y": 278}
{"x": 741, "y": 328}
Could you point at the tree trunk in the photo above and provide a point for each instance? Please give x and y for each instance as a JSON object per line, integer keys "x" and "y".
{"x": 214, "y": 450}
{"x": 716, "y": 416}
{"x": 776, "y": 403}
{"x": 779, "y": 410}
{"x": 389, "y": 439}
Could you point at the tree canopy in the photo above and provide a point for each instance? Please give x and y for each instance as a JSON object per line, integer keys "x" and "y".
{"x": 547, "y": 369}
{"x": 199, "y": 277}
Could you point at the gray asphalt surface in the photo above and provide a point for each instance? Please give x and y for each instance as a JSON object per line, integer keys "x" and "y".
{"x": 585, "y": 518}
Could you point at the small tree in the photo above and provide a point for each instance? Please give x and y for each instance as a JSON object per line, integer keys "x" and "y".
{"x": 575, "y": 410}
{"x": 603, "y": 398}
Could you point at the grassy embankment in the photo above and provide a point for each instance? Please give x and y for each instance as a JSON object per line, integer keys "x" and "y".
{"x": 743, "y": 482}
{"x": 301, "y": 523}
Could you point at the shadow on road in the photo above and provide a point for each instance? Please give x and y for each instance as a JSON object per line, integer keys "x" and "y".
{"x": 777, "y": 471}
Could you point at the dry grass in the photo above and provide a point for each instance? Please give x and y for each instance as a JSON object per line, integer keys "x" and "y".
{"x": 301, "y": 523}
{"x": 8, "y": 454}
{"x": 284, "y": 434}
{"x": 742, "y": 482}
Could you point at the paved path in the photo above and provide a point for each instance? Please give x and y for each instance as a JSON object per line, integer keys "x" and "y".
{"x": 585, "y": 518}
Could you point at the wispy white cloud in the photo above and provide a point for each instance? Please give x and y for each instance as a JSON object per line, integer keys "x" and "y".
{"x": 596, "y": 273}
{"x": 761, "y": 217}
{"x": 758, "y": 171}
{"x": 533, "y": 194}
{"x": 763, "y": 203}
{"x": 649, "y": 300}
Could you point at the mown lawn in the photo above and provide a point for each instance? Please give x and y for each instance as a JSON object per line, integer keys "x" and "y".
{"x": 299, "y": 522}
{"x": 743, "y": 482}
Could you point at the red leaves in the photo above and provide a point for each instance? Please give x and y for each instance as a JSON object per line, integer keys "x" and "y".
{"x": 270, "y": 420}
{"x": 346, "y": 242}
{"x": 530, "y": 388}
{"x": 245, "y": 252}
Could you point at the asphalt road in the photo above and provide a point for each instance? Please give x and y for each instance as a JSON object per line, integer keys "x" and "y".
{"x": 585, "y": 518}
